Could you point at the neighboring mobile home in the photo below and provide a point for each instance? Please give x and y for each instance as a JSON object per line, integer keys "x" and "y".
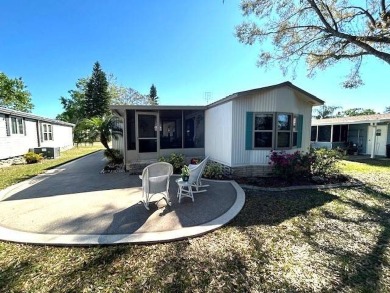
{"x": 20, "y": 132}
{"x": 238, "y": 131}
{"x": 368, "y": 133}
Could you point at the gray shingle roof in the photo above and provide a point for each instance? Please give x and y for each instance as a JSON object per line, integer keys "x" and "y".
{"x": 353, "y": 119}
{"x": 32, "y": 116}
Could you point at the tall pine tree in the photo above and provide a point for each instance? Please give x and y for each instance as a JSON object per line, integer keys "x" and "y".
{"x": 153, "y": 98}
{"x": 97, "y": 98}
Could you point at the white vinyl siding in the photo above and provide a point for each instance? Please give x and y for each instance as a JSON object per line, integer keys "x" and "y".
{"x": 62, "y": 137}
{"x": 19, "y": 144}
{"x": 280, "y": 100}
{"x": 218, "y": 133}
{"x": 12, "y": 145}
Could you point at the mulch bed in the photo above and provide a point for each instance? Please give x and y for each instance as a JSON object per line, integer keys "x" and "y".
{"x": 280, "y": 182}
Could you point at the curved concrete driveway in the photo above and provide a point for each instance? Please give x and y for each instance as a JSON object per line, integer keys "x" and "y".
{"x": 76, "y": 205}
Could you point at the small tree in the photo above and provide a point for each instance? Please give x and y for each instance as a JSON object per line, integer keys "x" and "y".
{"x": 387, "y": 110}
{"x": 97, "y": 98}
{"x": 14, "y": 94}
{"x": 153, "y": 98}
{"x": 102, "y": 128}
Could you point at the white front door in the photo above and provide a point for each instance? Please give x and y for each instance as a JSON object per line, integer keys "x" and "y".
{"x": 380, "y": 141}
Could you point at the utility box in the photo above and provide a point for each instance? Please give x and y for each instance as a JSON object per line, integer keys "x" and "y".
{"x": 47, "y": 152}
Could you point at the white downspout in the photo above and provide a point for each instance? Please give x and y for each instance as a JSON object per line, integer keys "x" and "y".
{"x": 373, "y": 140}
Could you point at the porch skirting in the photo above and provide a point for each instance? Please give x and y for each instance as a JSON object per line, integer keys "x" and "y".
{"x": 251, "y": 171}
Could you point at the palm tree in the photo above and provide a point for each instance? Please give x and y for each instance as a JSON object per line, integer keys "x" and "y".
{"x": 103, "y": 128}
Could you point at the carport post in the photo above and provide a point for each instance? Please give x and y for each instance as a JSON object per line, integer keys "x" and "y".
{"x": 373, "y": 140}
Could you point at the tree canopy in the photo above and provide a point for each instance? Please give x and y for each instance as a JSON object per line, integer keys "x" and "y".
{"x": 14, "y": 94}
{"x": 97, "y": 98}
{"x": 322, "y": 32}
{"x": 358, "y": 112}
{"x": 324, "y": 111}
{"x": 330, "y": 112}
{"x": 120, "y": 95}
{"x": 387, "y": 110}
{"x": 75, "y": 105}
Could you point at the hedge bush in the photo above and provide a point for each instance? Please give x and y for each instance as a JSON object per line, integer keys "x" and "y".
{"x": 32, "y": 158}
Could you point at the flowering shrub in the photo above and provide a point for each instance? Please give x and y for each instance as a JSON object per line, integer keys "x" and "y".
{"x": 290, "y": 166}
{"x": 317, "y": 162}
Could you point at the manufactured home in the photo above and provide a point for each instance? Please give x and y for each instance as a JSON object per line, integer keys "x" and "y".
{"x": 21, "y": 132}
{"x": 238, "y": 131}
{"x": 369, "y": 134}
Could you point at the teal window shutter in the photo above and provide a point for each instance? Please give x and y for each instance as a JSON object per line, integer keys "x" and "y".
{"x": 299, "y": 128}
{"x": 249, "y": 131}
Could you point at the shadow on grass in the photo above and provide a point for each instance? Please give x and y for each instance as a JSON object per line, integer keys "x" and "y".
{"x": 9, "y": 276}
{"x": 365, "y": 269}
{"x": 272, "y": 208}
{"x": 87, "y": 270}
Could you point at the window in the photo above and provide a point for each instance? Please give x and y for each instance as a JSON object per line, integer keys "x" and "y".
{"x": 273, "y": 130}
{"x": 47, "y": 131}
{"x": 295, "y": 131}
{"x": 263, "y": 130}
{"x": 17, "y": 125}
{"x": 283, "y": 130}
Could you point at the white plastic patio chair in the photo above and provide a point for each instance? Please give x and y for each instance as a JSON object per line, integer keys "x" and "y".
{"x": 155, "y": 180}
{"x": 194, "y": 181}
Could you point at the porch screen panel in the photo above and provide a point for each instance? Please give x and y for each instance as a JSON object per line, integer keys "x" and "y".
{"x": 193, "y": 129}
{"x": 324, "y": 133}
{"x": 171, "y": 129}
{"x": 313, "y": 136}
{"x": 130, "y": 129}
{"x": 336, "y": 133}
{"x": 344, "y": 133}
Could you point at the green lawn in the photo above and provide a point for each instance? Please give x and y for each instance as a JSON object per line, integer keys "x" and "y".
{"x": 17, "y": 173}
{"x": 331, "y": 240}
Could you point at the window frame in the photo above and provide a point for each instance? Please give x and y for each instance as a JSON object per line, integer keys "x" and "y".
{"x": 254, "y": 131}
{"x": 17, "y": 126}
{"x": 47, "y": 135}
{"x": 289, "y": 131}
{"x": 294, "y": 129}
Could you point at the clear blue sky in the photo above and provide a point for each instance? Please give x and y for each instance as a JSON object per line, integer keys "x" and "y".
{"x": 186, "y": 48}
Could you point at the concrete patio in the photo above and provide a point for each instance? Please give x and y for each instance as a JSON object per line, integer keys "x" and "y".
{"x": 76, "y": 205}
